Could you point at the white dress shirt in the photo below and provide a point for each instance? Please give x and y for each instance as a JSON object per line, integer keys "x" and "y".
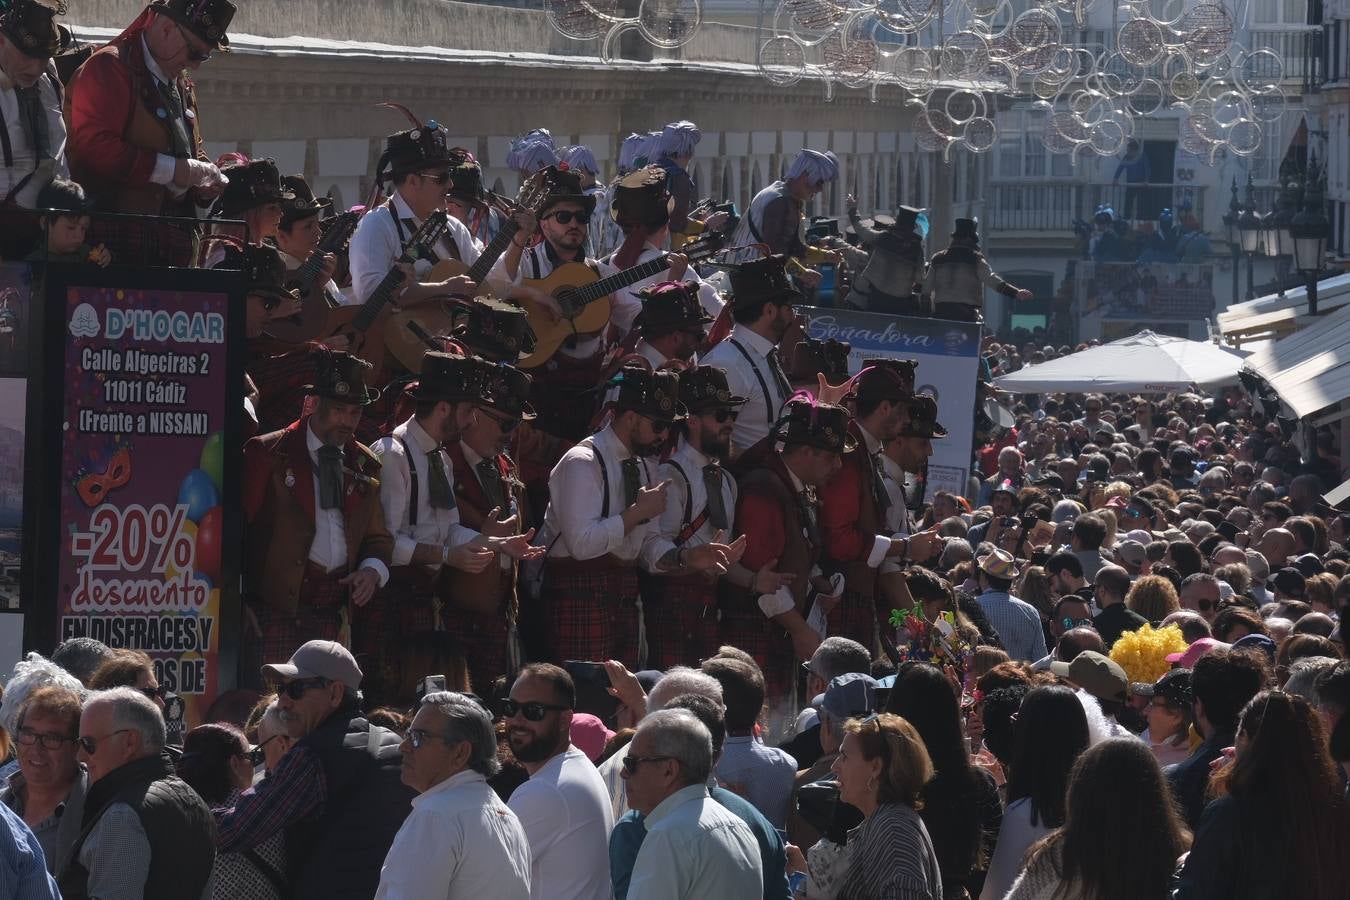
{"x": 535, "y": 263}
{"x": 376, "y": 244}
{"x": 566, "y": 816}
{"x": 22, "y": 150}
{"x": 460, "y": 842}
{"x": 625, "y": 304}
{"x": 696, "y": 849}
{"x": 329, "y": 548}
{"x": 166, "y": 165}
{"x": 881, "y": 543}
{"x": 438, "y": 527}
{"x": 330, "y": 288}
{"x": 749, "y": 378}
{"x": 576, "y": 510}
{"x": 651, "y": 354}
{"x": 679, "y": 498}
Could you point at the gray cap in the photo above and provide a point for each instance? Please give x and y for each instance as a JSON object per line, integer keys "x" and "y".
{"x": 850, "y": 695}
{"x": 318, "y": 659}
{"x": 1131, "y": 552}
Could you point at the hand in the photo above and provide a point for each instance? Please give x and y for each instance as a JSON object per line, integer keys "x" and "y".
{"x": 810, "y": 278}
{"x": 409, "y": 277}
{"x": 100, "y": 256}
{"x": 518, "y": 547}
{"x": 624, "y": 687}
{"x": 834, "y": 256}
{"x": 363, "y": 582}
{"x": 851, "y": 204}
{"x": 197, "y": 173}
{"x": 458, "y": 286}
{"x": 543, "y": 300}
{"x": 650, "y": 502}
{"x": 527, "y": 224}
{"x": 470, "y": 558}
{"x": 716, "y": 221}
{"x": 503, "y": 528}
{"x": 327, "y": 268}
{"x": 924, "y": 545}
{"x": 1024, "y": 294}
{"x": 767, "y": 581}
{"x": 796, "y": 860}
{"x": 679, "y": 264}
{"x": 805, "y": 641}
{"x": 715, "y": 557}
{"x": 831, "y": 393}
{"x": 291, "y": 306}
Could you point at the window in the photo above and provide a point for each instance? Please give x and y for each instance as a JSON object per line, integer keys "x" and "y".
{"x": 1021, "y": 147}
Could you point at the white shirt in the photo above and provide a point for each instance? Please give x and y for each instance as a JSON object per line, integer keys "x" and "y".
{"x": 695, "y": 849}
{"x": 748, "y": 378}
{"x": 651, "y": 354}
{"x": 625, "y": 304}
{"x": 576, "y": 510}
{"x": 376, "y": 244}
{"x": 330, "y": 288}
{"x": 536, "y": 263}
{"x": 439, "y": 527}
{"x": 695, "y": 498}
{"x": 567, "y": 817}
{"x": 22, "y": 151}
{"x": 329, "y": 548}
{"x": 460, "y": 842}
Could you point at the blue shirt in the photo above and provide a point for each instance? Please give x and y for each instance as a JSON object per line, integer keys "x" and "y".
{"x": 23, "y": 868}
{"x": 629, "y": 832}
{"x": 1017, "y": 623}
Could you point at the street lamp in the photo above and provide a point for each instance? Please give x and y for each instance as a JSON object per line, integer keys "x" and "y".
{"x": 1309, "y": 230}
{"x": 1230, "y": 221}
{"x": 1249, "y": 231}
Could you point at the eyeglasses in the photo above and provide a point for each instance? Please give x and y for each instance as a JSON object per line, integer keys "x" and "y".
{"x": 193, "y": 53}
{"x": 724, "y": 415}
{"x": 158, "y": 692}
{"x": 417, "y": 737}
{"x": 567, "y": 217}
{"x": 1204, "y": 605}
{"x": 1130, "y": 512}
{"x": 1071, "y": 622}
{"x": 296, "y": 689}
{"x": 256, "y": 755}
{"x": 631, "y": 763}
{"x": 658, "y": 426}
{"x": 28, "y": 737}
{"x": 506, "y": 425}
{"x": 89, "y": 744}
{"x": 441, "y": 178}
{"x": 533, "y": 711}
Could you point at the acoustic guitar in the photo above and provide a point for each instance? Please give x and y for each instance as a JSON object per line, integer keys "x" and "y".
{"x": 583, "y": 296}
{"x": 308, "y": 323}
{"x": 401, "y": 340}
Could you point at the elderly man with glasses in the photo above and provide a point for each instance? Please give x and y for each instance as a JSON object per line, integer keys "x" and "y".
{"x": 48, "y": 790}
{"x": 460, "y": 841}
{"x": 145, "y": 832}
{"x": 336, "y": 793}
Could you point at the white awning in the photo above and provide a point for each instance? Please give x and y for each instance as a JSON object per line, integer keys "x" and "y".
{"x": 1145, "y": 362}
{"x": 1272, "y": 310}
{"x": 1310, "y": 368}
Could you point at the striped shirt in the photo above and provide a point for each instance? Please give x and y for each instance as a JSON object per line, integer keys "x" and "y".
{"x": 1017, "y": 623}
{"x": 892, "y": 858}
{"x": 23, "y": 869}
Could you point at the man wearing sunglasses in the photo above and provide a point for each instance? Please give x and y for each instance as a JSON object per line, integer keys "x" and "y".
{"x": 416, "y": 164}
{"x": 135, "y": 136}
{"x": 672, "y": 324}
{"x": 689, "y": 551}
{"x": 145, "y": 832}
{"x": 604, "y": 499}
{"x": 336, "y": 794}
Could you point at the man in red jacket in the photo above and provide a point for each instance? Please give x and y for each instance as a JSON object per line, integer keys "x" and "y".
{"x": 135, "y": 142}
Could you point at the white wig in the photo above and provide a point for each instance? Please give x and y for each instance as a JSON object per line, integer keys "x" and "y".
{"x": 821, "y": 167}
{"x": 677, "y": 139}
{"x": 30, "y": 674}
{"x": 579, "y": 157}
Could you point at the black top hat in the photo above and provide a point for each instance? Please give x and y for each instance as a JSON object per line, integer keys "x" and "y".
{"x": 302, "y": 202}
{"x": 414, "y": 149}
{"x": 207, "y": 19}
{"x": 887, "y": 379}
{"x": 923, "y": 421}
{"x": 819, "y": 425}
{"x": 31, "y": 26}
{"x": 655, "y": 395}
{"x": 446, "y": 376}
{"x": 466, "y": 177}
{"x": 703, "y": 388}
{"x": 641, "y": 197}
{"x": 342, "y": 377}
{"x": 251, "y": 185}
{"x": 828, "y": 357}
{"x": 967, "y": 228}
{"x": 761, "y": 281}
{"x": 560, "y": 184}
{"x": 507, "y": 389}
{"x": 906, "y": 217}
{"x": 671, "y": 306}
{"x": 494, "y": 329}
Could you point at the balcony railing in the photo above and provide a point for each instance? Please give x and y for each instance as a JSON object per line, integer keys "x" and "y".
{"x": 1054, "y": 205}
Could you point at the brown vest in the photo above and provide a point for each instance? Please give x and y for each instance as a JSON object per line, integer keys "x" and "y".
{"x": 481, "y": 592}
{"x": 799, "y": 554}
{"x": 858, "y": 576}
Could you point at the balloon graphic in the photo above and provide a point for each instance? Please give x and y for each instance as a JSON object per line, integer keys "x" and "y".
{"x": 208, "y": 543}
{"x": 212, "y": 461}
{"x": 198, "y": 493}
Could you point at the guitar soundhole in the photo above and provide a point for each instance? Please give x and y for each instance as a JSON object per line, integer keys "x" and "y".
{"x": 569, "y": 303}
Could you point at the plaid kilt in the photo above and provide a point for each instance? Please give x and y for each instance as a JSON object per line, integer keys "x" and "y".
{"x": 483, "y": 638}
{"x": 855, "y": 617}
{"x": 680, "y": 619}
{"x": 403, "y": 607}
{"x": 747, "y": 629}
{"x": 566, "y": 394}
{"x": 591, "y": 609}
{"x": 323, "y": 613}
{"x": 145, "y": 242}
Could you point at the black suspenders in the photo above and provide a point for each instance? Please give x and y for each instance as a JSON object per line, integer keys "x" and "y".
{"x": 770, "y": 416}
{"x": 412, "y": 479}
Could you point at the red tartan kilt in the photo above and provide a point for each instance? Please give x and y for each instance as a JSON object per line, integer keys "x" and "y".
{"x": 564, "y": 393}
{"x": 145, "y": 242}
{"x": 318, "y": 616}
{"x": 855, "y": 617}
{"x": 681, "y": 621}
{"x": 592, "y": 612}
{"x": 483, "y": 638}
{"x": 749, "y": 630}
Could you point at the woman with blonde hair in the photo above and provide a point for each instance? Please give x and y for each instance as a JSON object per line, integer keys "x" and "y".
{"x": 1153, "y": 597}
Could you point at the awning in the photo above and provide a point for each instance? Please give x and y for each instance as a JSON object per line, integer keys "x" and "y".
{"x": 1145, "y": 362}
{"x": 1338, "y": 495}
{"x": 1309, "y": 369}
{"x": 1260, "y": 314}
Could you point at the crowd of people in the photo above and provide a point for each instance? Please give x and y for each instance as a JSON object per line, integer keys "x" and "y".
{"x": 660, "y": 607}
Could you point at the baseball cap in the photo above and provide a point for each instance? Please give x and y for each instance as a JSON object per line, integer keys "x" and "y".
{"x": 589, "y": 735}
{"x": 1096, "y": 673}
{"x": 1256, "y": 642}
{"x": 318, "y": 659}
{"x": 1131, "y": 552}
{"x": 848, "y": 695}
{"x": 1290, "y": 581}
{"x": 1188, "y": 658}
{"x": 1139, "y": 536}
{"x": 1174, "y": 686}
{"x": 1309, "y": 564}
{"x": 1256, "y": 561}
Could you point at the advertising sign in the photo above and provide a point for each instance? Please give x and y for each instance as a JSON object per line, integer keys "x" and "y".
{"x": 948, "y": 354}
{"x": 144, "y": 478}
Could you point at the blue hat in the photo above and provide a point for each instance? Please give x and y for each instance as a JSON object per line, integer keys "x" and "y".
{"x": 850, "y": 695}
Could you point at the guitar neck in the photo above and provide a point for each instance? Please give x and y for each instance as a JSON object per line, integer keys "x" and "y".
{"x": 309, "y": 270}
{"x": 620, "y": 280}
{"x": 375, "y": 303}
{"x": 495, "y": 248}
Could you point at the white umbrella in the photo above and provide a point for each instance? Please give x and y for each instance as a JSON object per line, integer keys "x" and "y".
{"x": 1145, "y": 362}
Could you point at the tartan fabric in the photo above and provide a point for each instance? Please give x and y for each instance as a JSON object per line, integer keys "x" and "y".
{"x": 680, "y": 619}
{"x": 592, "y": 612}
{"x": 141, "y": 242}
{"x": 483, "y": 638}
{"x": 323, "y": 604}
{"x": 281, "y": 381}
{"x": 748, "y": 630}
{"x": 566, "y": 394}
{"x": 855, "y": 617}
{"x": 402, "y": 608}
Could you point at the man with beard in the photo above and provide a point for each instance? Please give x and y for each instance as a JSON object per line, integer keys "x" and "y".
{"x": 672, "y": 323}
{"x": 600, "y": 516}
{"x": 564, "y": 807}
{"x": 762, "y": 306}
{"x": 679, "y": 600}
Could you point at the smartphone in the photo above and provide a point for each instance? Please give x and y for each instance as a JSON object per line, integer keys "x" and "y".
{"x": 592, "y": 683}
{"x": 587, "y": 672}
{"x": 432, "y": 684}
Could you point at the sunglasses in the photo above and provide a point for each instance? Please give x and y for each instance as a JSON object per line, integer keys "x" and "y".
{"x": 533, "y": 711}
{"x": 89, "y": 744}
{"x": 296, "y": 689}
{"x": 158, "y": 692}
{"x": 1070, "y": 622}
{"x": 28, "y": 737}
{"x": 724, "y": 415}
{"x": 631, "y": 763}
{"x": 256, "y": 755}
{"x": 506, "y": 425}
{"x": 417, "y": 737}
{"x": 1205, "y": 605}
{"x": 441, "y": 178}
{"x": 567, "y": 217}
{"x": 193, "y": 54}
